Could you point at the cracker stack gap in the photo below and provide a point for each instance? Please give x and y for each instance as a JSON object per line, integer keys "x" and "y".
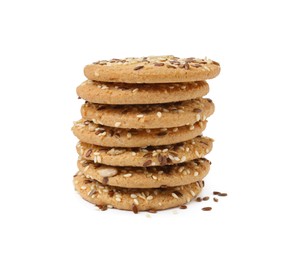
{"x": 141, "y": 145}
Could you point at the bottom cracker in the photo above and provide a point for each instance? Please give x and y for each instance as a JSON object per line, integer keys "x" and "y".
{"x": 135, "y": 199}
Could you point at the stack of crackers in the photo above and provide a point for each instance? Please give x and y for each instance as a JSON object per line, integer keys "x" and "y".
{"x": 141, "y": 146}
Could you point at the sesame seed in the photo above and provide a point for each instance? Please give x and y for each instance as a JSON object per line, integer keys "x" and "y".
{"x": 117, "y": 124}
{"x": 86, "y": 168}
{"x": 83, "y": 187}
{"x": 133, "y": 196}
{"x": 136, "y": 202}
{"x": 181, "y": 169}
{"x": 129, "y": 135}
{"x": 196, "y": 174}
{"x": 149, "y": 197}
{"x": 183, "y": 159}
{"x": 135, "y": 90}
{"x": 154, "y": 177}
{"x": 198, "y": 117}
{"x": 134, "y": 153}
{"x": 191, "y": 127}
{"x": 91, "y": 192}
{"x": 118, "y": 199}
{"x": 127, "y": 175}
{"x": 174, "y": 195}
{"x": 175, "y": 129}
{"x": 140, "y": 116}
{"x": 187, "y": 149}
{"x": 99, "y": 159}
{"x": 159, "y": 114}
{"x": 192, "y": 193}
{"x": 148, "y": 131}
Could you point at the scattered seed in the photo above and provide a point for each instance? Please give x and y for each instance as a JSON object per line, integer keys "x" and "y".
{"x": 117, "y": 124}
{"x": 206, "y": 198}
{"x": 207, "y": 209}
{"x": 216, "y": 199}
{"x": 199, "y": 199}
{"x": 152, "y": 211}
{"x": 216, "y": 193}
{"x": 183, "y": 207}
{"x": 88, "y": 153}
{"x": 223, "y": 194}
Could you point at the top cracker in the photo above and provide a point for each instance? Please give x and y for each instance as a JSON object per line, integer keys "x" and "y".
{"x": 152, "y": 69}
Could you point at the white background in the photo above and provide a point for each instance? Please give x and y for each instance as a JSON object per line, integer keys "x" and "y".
{"x": 44, "y": 47}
